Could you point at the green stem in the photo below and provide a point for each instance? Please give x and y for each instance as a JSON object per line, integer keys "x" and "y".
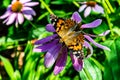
{"x": 31, "y": 23}
{"x": 76, "y": 4}
{"x": 16, "y": 56}
{"x": 109, "y": 5}
{"x": 108, "y": 19}
{"x": 106, "y": 7}
{"x": 47, "y": 7}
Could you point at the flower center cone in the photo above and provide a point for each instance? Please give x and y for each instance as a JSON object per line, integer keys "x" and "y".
{"x": 91, "y": 3}
{"x": 16, "y": 6}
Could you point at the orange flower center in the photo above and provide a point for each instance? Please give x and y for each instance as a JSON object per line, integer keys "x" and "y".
{"x": 91, "y": 3}
{"x": 16, "y": 6}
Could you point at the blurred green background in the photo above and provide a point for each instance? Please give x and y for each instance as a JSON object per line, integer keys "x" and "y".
{"x": 19, "y": 62}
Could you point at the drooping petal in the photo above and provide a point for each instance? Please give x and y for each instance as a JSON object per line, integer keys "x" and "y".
{"x": 16, "y": 22}
{"x": 45, "y": 47}
{"x": 86, "y": 44}
{"x": 98, "y": 9}
{"x": 92, "y": 24}
{"x": 50, "y": 28}
{"x": 51, "y": 55}
{"x": 96, "y": 44}
{"x": 12, "y": 18}
{"x": 24, "y": 1}
{"x": 87, "y": 11}
{"x": 104, "y": 33}
{"x": 76, "y": 17}
{"x": 77, "y": 63}
{"x": 82, "y": 8}
{"x": 31, "y": 4}
{"x": 20, "y": 18}
{"x": 28, "y": 17}
{"x": 28, "y": 11}
{"x": 44, "y": 40}
{"x": 61, "y": 61}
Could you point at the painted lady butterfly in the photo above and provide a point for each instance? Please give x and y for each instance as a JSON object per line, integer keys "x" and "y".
{"x": 70, "y": 34}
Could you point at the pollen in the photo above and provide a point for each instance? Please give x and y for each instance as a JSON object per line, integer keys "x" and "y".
{"x": 17, "y": 6}
{"x": 91, "y": 3}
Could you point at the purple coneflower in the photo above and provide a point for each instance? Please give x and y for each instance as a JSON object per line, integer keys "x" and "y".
{"x": 17, "y": 10}
{"x": 57, "y": 52}
{"x": 89, "y": 6}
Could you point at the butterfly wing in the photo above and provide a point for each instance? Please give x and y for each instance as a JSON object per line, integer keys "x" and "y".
{"x": 70, "y": 35}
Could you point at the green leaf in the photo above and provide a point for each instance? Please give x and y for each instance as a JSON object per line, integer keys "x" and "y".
{"x": 6, "y": 3}
{"x": 102, "y": 28}
{"x": 112, "y": 60}
{"x": 17, "y": 75}
{"x": 42, "y": 16}
{"x": 58, "y": 2}
{"x": 0, "y": 77}
{"x": 90, "y": 71}
{"x": 8, "y": 67}
{"x": 30, "y": 66}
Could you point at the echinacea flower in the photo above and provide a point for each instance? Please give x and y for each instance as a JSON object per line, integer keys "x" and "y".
{"x": 17, "y": 10}
{"x": 90, "y": 6}
{"x": 57, "y": 52}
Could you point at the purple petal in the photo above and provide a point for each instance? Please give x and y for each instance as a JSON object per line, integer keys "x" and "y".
{"x": 12, "y": 18}
{"x": 86, "y": 44}
{"x": 6, "y": 20}
{"x": 61, "y": 61}
{"x": 104, "y": 33}
{"x": 28, "y": 17}
{"x": 98, "y": 9}
{"x": 96, "y": 44}
{"x": 82, "y": 8}
{"x": 44, "y": 40}
{"x": 87, "y": 11}
{"x": 76, "y": 17}
{"x": 52, "y": 55}
{"x": 50, "y": 28}
{"x": 16, "y": 23}
{"x": 24, "y": 1}
{"x": 7, "y": 13}
{"x": 20, "y": 18}
{"x": 77, "y": 63}
{"x": 31, "y": 4}
{"x": 9, "y": 8}
{"x": 28, "y": 11}
{"x": 45, "y": 47}
{"x": 92, "y": 24}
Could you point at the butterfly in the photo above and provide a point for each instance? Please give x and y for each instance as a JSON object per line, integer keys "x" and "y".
{"x": 70, "y": 34}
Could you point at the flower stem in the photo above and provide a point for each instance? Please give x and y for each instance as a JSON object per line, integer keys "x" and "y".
{"x": 76, "y": 4}
{"x": 109, "y": 5}
{"x": 46, "y": 6}
{"x": 32, "y": 24}
{"x": 108, "y": 18}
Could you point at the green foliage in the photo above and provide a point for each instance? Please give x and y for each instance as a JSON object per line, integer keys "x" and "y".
{"x": 90, "y": 70}
{"x": 112, "y": 60}
{"x": 8, "y": 67}
{"x": 103, "y": 65}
